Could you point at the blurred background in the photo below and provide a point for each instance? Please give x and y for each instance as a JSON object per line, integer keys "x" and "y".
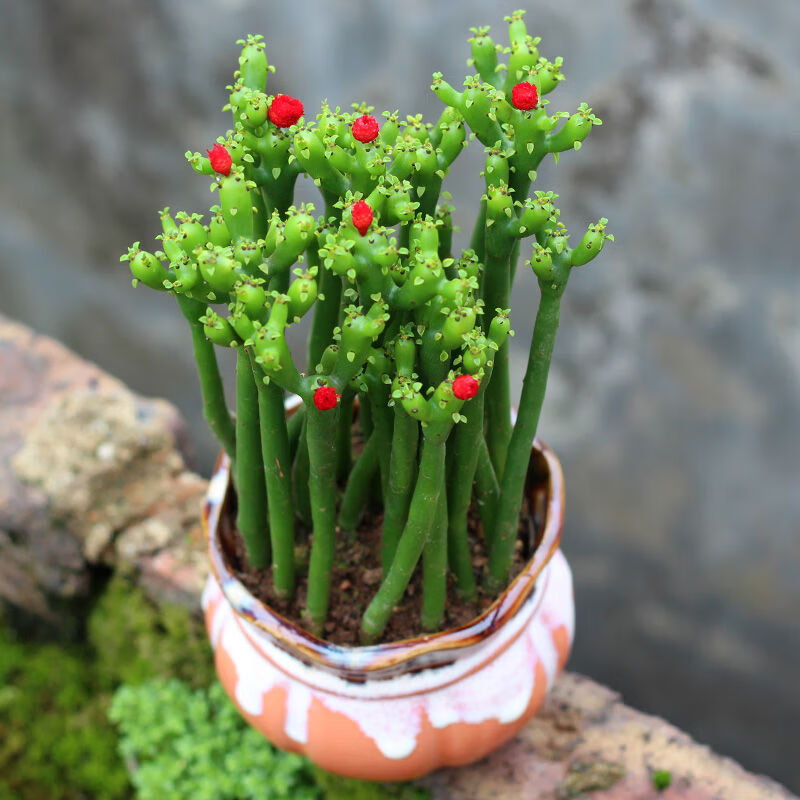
{"x": 674, "y": 401}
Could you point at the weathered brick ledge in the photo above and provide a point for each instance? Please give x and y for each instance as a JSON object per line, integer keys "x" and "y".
{"x": 91, "y": 474}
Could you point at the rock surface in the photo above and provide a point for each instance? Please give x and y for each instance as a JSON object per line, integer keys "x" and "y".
{"x": 585, "y": 742}
{"x": 90, "y": 475}
{"x": 675, "y": 398}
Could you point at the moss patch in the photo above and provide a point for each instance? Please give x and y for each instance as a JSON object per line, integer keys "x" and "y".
{"x": 133, "y": 640}
{"x": 336, "y": 788}
{"x": 56, "y": 742}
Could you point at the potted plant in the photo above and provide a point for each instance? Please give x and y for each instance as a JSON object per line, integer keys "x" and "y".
{"x": 387, "y": 594}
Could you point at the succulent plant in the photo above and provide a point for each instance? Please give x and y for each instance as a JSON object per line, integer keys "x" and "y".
{"x": 418, "y": 333}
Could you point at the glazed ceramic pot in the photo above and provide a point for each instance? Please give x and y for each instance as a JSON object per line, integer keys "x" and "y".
{"x": 399, "y": 710}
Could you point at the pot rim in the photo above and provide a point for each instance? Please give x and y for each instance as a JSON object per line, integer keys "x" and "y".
{"x": 358, "y": 662}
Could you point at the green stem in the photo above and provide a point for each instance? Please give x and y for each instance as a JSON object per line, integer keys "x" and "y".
{"x": 478, "y": 240}
{"x": 498, "y": 409}
{"x": 382, "y": 430}
{"x": 421, "y": 516}
{"x": 434, "y": 570}
{"x": 358, "y": 486}
{"x": 434, "y": 370}
{"x": 464, "y": 446}
{"x": 429, "y": 198}
{"x": 512, "y": 484}
{"x": 497, "y": 290}
{"x": 277, "y": 466}
{"x": 302, "y": 502}
{"x": 321, "y": 437}
{"x": 344, "y": 435}
{"x": 326, "y": 316}
{"x": 367, "y": 429}
{"x": 487, "y": 490}
{"x": 402, "y": 466}
{"x": 215, "y": 409}
{"x": 405, "y": 234}
{"x": 250, "y": 483}
{"x": 521, "y": 185}
{"x": 364, "y": 417}
{"x": 294, "y": 427}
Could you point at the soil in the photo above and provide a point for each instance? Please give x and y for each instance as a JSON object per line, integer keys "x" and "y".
{"x": 357, "y": 576}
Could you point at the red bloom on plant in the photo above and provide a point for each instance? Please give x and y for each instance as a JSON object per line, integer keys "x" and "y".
{"x": 525, "y": 96}
{"x": 366, "y": 129}
{"x": 326, "y": 398}
{"x": 464, "y": 387}
{"x": 285, "y": 110}
{"x": 220, "y": 159}
{"x": 362, "y": 217}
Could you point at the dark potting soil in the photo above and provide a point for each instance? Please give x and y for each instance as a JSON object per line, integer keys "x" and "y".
{"x": 357, "y": 576}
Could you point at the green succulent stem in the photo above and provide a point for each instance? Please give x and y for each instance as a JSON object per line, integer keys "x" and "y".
{"x": 277, "y": 473}
{"x": 294, "y": 427}
{"x": 251, "y": 492}
{"x": 421, "y": 517}
{"x": 497, "y": 294}
{"x": 512, "y": 484}
{"x": 487, "y": 489}
{"x": 344, "y": 435}
{"x": 321, "y": 438}
{"x": 300, "y": 471}
{"x": 477, "y": 241}
{"x": 382, "y": 430}
{"x": 434, "y": 569}
{"x": 402, "y": 469}
{"x": 326, "y": 316}
{"x": 464, "y": 445}
{"x": 358, "y": 487}
{"x": 215, "y": 409}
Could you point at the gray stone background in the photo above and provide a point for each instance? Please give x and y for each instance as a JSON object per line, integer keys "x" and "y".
{"x": 674, "y": 402}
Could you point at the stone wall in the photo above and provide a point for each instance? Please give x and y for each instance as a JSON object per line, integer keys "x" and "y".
{"x": 675, "y": 399}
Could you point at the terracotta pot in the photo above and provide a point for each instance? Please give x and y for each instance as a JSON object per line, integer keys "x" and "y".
{"x": 399, "y": 710}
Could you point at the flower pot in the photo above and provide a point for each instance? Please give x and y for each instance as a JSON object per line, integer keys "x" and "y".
{"x": 399, "y": 710}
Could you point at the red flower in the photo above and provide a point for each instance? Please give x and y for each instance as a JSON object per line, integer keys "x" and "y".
{"x": 362, "y": 217}
{"x": 220, "y": 159}
{"x": 464, "y": 387}
{"x": 366, "y": 129}
{"x": 525, "y": 96}
{"x": 285, "y": 110}
{"x": 326, "y": 397}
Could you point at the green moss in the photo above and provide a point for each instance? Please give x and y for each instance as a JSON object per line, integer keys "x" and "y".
{"x": 134, "y": 640}
{"x": 56, "y": 742}
{"x": 336, "y": 788}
